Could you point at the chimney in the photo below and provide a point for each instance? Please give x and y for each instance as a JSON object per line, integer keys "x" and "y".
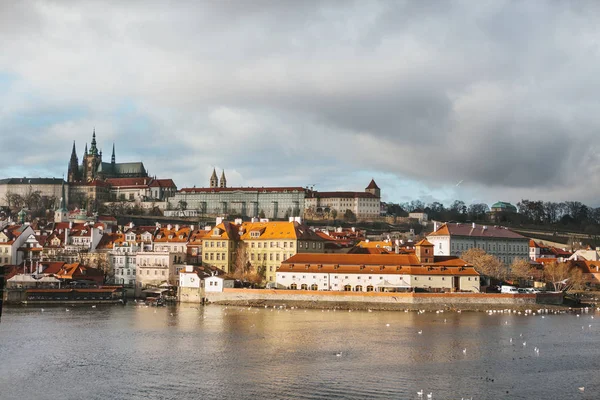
{"x": 474, "y": 225}
{"x": 71, "y": 225}
{"x": 435, "y": 226}
{"x": 169, "y": 227}
{"x": 290, "y": 219}
{"x": 131, "y": 225}
{"x": 66, "y": 236}
{"x": 192, "y": 228}
{"x": 177, "y": 227}
{"x": 218, "y": 220}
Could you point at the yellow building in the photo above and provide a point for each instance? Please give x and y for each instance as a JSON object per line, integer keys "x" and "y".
{"x": 265, "y": 245}
{"x": 268, "y": 244}
{"x": 219, "y": 245}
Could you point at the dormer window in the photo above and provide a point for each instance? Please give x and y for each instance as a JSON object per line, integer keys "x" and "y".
{"x": 254, "y": 234}
{"x": 159, "y": 236}
{"x": 170, "y": 236}
{"x": 217, "y": 232}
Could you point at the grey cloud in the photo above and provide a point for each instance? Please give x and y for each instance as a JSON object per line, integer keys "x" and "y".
{"x": 499, "y": 94}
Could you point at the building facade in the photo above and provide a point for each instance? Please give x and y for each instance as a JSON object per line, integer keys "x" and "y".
{"x": 47, "y": 188}
{"x": 378, "y": 273}
{"x": 452, "y": 239}
{"x": 364, "y": 205}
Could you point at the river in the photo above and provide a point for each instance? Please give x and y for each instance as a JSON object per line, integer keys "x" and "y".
{"x": 217, "y": 352}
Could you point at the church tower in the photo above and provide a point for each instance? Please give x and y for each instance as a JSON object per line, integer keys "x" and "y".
{"x": 61, "y": 213}
{"x": 214, "y": 181}
{"x": 373, "y": 189}
{"x": 92, "y": 160}
{"x": 73, "y": 171}
{"x": 223, "y": 182}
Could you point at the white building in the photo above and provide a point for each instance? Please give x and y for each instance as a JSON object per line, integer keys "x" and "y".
{"x": 154, "y": 269}
{"x": 378, "y": 273}
{"x": 217, "y": 284}
{"x": 12, "y": 237}
{"x": 363, "y": 205}
{"x": 452, "y": 239}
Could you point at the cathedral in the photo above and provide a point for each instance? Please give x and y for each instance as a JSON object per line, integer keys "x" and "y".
{"x": 93, "y": 168}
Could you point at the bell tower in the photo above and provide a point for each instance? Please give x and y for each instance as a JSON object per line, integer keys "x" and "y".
{"x": 73, "y": 171}
{"x": 92, "y": 160}
{"x": 214, "y": 181}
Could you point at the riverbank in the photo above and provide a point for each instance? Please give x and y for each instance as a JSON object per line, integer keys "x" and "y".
{"x": 386, "y": 301}
{"x": 451, "y": 307}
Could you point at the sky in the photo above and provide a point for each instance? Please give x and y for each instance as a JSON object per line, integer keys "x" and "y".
{"x": 436, "y": 100}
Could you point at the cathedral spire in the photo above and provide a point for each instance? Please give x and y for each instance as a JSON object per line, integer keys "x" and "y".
{"x": 112, "y": 158}
{"x": 73, "y": 172}
{"x": 85, "y": 152}
{"x": 93, "y": 148}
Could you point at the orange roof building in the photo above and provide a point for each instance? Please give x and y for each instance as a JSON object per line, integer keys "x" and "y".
{"x": 368, "y": 272}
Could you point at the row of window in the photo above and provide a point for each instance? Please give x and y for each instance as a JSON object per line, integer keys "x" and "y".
{"x": 370, "y": 277}
{"x": 486, "y": 246}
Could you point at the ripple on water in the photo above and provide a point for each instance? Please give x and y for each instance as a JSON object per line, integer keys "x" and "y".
{"x": 215, "y": 353}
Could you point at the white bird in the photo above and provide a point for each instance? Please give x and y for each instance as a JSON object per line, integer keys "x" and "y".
{"x": 464, "y": 351}
{"x": 511, "y": 340}
{"x": 93, "y": 306}
{"x": 42, "y": 310}
{"x": 387, "y": 324}
{"x": 420, "y": 393}
{"x": 430, "y": 395}
{"x": 524, "y": 344}
{"x": 338, "y": 354}
{"x": 420, "y": 332}
{"x": 458, "y": 184}
{"x": 581, "y": 389}
{"x": 66, "y": 309}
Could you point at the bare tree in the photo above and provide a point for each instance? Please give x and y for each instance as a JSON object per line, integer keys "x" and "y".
{"x": 520, "y": 269}
{"x": 486, "y": 264}
{"x": 563, "y": 276}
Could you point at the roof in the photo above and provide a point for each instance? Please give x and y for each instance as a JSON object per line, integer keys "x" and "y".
{"x": 359, "y": 263}
{"x": 369, "y": 259}
{"x": 424, "y": 242}
{"x": 277, "y": 230}
{"x": 243, "y": 189}
{"x": 165, "y": 183}
{"x": 173, "y": 235}
{"x": 122, "y": 168}
{"x": 32, "y": 181}
{"x": 109, "y": 240}
{"x": 458, "y": 229}
{"x": 129, "y": 182}
{"x": 329, "y": 195}
{"x": 504, "y": 205}
{"x": 372, "y": 185}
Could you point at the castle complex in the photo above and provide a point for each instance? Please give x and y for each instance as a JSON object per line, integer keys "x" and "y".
{"x": 93, "y": 168}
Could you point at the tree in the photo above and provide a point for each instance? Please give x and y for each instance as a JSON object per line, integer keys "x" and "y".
{"x": 563, "y": 276}
{"x": 478, "y": 211}
{"x": 182, "y": 205}
{"x": 486, "y": 264}
{"x": 334, "y": 214}
{"x": 349, "y": 216}
{"x": 244, "y": 270}
{"x": 520, "y": 269}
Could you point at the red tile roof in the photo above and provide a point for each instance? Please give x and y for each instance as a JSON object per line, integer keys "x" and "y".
{"x": 243, "y": 189}
{"x": 372, "y": 185}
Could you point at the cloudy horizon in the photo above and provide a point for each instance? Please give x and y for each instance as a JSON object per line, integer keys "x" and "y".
{"x": 435, "y": 100}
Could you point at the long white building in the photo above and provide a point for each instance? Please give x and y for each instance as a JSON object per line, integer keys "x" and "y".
{"x": 452, "y": 239}
{"x": 378, "y": 273}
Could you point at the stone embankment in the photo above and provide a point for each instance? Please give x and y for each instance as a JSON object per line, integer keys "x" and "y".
{"x": 385, "y": 301}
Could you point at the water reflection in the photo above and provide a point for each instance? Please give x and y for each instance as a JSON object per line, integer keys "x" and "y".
{"x": 218, "y": 352}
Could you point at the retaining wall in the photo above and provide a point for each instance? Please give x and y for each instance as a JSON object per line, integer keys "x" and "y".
{"x": 492, "y": 299}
